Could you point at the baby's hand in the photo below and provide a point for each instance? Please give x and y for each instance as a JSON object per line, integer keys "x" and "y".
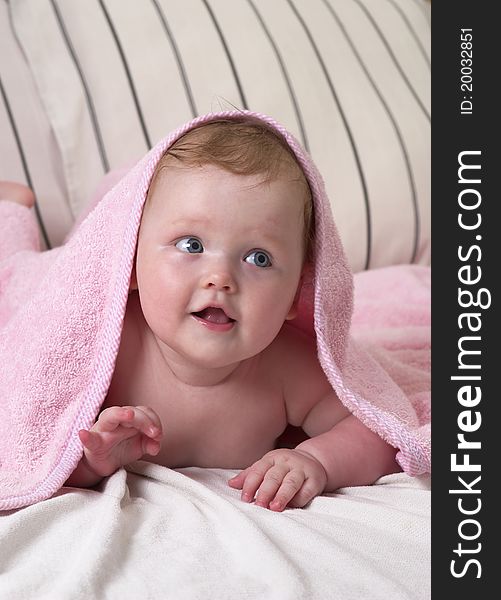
{"x": 282, "y": 478}
{"x": 121, "y": 435}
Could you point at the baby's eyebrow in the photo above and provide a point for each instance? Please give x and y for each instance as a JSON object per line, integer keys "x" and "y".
{"x": 269, "y": 237}
{"x": 190, "y": 221}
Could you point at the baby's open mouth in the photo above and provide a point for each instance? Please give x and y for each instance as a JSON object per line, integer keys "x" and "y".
{"x": 214, "y": 315}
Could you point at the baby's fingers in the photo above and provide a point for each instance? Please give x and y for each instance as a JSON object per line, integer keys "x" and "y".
{"x": 273, "y": 481}
{"x": 283, "y": 494}
{"x": 238, "y": 480}
{"x": 149, "y": 421}
{"x": 251, "y": 478}
{"x": 92, "y": 441}
{"x": 141, "y": 418}
{"x": 114, "y": 416}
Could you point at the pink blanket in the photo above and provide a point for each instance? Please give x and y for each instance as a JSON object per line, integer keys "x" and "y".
{"x": 61, "y": 315}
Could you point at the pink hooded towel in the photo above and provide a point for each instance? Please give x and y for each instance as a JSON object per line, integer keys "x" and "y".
{"x": 61, "y": 315}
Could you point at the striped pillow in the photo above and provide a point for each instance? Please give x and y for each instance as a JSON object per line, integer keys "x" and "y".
{"x": 350, "y": 78}
{"x": 28, "y": 149}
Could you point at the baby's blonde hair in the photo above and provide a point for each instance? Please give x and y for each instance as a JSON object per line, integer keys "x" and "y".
{"x": 242, "y": 147}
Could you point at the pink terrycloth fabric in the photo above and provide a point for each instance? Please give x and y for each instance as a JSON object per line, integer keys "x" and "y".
{"x": 61, "y": 315}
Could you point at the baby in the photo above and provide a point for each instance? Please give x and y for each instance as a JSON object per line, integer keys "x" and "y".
{"x": 209, "y": 371}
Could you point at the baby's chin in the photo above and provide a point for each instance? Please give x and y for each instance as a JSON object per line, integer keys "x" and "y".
{"x": 218, "y": 357}
{"x": 216, "y": 351}
{"x": 215, "y": 361}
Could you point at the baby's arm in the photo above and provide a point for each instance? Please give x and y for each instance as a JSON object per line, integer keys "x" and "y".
{"x": 341, "y": 451}
{"x": 121, "y": 435}
{"x": 350, "y": 452}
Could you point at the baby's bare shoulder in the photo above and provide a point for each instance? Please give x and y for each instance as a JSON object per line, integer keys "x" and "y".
{"x": 304, "y": 382}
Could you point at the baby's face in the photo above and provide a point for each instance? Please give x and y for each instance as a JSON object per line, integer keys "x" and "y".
{"x": 219, "y": 261}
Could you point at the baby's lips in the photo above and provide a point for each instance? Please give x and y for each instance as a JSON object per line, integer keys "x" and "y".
{"x": 214, "y": 314}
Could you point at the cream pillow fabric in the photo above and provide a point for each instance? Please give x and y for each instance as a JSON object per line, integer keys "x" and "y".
{"x": 350, "y": 78}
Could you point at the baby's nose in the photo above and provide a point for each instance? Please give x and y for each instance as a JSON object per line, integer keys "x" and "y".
{"x": 220, "y": 280}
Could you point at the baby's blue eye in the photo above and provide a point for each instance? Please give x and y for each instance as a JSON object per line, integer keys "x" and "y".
{"x": 191, "y": 245}
{"x": 258, "y": 258}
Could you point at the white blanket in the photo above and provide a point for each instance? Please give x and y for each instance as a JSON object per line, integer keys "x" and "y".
{"x": 154, "y": 533}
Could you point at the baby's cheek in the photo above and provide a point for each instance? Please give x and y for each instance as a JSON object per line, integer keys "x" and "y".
{"x": 163, "y": 287}
{"x": 160, "y": 306}
{"x": 266, "y": 326}
{"x": 277, "y": 306}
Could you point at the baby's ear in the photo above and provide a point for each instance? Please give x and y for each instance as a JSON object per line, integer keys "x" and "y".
{"x": 292, "y": 314}
{"x": 133, "y": 280}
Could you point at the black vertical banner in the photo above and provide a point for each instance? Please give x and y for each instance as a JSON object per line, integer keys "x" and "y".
{"x": 466, "y": 348}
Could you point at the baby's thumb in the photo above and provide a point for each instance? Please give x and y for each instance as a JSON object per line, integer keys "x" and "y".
{"x": 88, "y": 439}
